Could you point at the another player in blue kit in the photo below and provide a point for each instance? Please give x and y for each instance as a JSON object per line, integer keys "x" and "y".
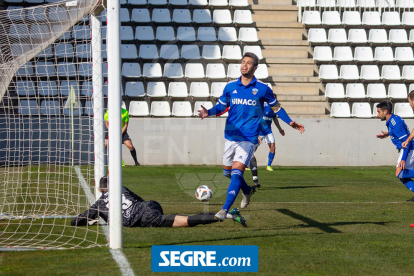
{"x": 245, "y": 97}
{"x": 398, "y": 132}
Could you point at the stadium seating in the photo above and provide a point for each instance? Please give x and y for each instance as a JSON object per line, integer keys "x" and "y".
{"x": 160, "y": 108}
{"x": 376, "y": 91}
{"x": 182, "y": 109}
{"x": 199, "y": 90}
{"x": 217, "y": 89}
{"x": 138, "y": 108}
{"x": 177, "y": 90}
{"x": 156, "y": 89}
{"x": 361, "y": 110}
{"x": 198, "y": 104}
{"x": 334, "y": 91}
{"x": 134, "y": 89}
{"x": 340, "y": 110}
{"x": 403, "y": 110}
{"x": 355, "y": 91}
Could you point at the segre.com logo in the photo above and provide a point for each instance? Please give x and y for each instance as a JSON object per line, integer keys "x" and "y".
{"x": 205, "y": 258}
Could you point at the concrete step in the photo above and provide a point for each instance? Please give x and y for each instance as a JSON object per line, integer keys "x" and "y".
{"x": 271, "y": 2}
{"x": 304, "y": 89}
{"x": 286, "y": 70}
{"x": 275, "y": 16}
{"x": 287, "y": 79}
{"x": 300, "y": 52}
{"x": 273, "y": 7}
{"x": 302, "y": 108}
{"x": 281, "y": 34}
{"x": 300, "y": 98}
{"x": 289, "y": 60}
{"x": 267, "y": 24}
{"x": 284, "y": 42}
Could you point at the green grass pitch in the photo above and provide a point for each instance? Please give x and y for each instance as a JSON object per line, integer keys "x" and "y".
{"x": 306, "y": 221}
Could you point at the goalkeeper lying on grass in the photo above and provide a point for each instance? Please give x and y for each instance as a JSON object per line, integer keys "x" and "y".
{"x": 139, "y": 213}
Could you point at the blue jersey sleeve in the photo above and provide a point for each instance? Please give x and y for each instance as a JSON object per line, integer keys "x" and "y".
{"x": 270, "y": 98}
{"x": 222, "y": 103}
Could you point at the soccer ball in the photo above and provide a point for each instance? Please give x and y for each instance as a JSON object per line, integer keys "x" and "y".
{"x": 204, "y": 193}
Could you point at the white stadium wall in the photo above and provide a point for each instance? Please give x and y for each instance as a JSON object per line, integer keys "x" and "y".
{"x": 326, "y": 142}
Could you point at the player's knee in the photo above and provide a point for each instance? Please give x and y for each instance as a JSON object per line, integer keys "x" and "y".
{"x": 227, "y": 173}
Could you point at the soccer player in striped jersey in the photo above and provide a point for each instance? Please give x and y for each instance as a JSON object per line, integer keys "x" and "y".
{"x": 245, "y": 97}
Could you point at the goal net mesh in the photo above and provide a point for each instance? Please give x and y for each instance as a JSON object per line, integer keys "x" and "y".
{"x": 46, "y": 126}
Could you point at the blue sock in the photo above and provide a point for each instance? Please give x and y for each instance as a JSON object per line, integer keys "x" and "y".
{"x": 227, "y": 173}
{"x": 406, "y": 174}
{"x": 409, "y": 183}
{"x": 271, "y": 157}
{"x": 244, "y": 187}
{"x": 234, "y": 188}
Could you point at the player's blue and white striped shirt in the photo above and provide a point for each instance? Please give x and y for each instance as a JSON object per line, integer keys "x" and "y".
{"x": 246, "y": 109}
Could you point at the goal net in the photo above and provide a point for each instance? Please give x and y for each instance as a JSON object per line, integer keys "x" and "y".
{"x": 47, "y": 125}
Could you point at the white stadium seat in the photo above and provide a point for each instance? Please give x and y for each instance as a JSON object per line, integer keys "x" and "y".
{"x": 177, "y": 90}
{"x": 202, "y": 16}
{"x": 357, "y": 36}
{"x": 134, "y": 89}
{"x": 262, "y": 72}
{"x": 217, "y": 89}
{"x": 408, "y": 72}
{"x": 169, "y": 51}
{"x": 311, "y": 18}
{"x": 371, "y": 18}
{"x": 369, "y": 72}
{"x": 390, "y": 72}
{"x": 85, "y": 69}
{"x": 349, "y": 72}
{"x": 138, "y": 108}
{"x": 346, "y": 3}
{"x": 124, "y": 15}
{"x": 334, "y": 91}
{"x": 366, "y": 3}
{"x": 308, "y": 3}
{"x": 243, "y": 17}
{"x": 398, "y": 36}
{"x": 219, "y": 3}
{"x": 222, "y": 17}
{"x": 361, "y": 110}
{"x": 378, "y": 36}
{"x": 66, "y": 69}
{"x": 84, "y": 50}
{"x": 28, "y": 107}
{"x": 152, "y": 70}
{"x": 165, "y": 33}
{"x": 239, "y": 3}
{"x": 161, "y": 15}
{"x": 317, "y": 36}
{"x": 190, "y": 52}
{"x": 351, "y": 18}
{"x": 331, "y": 18}
{"x": 411, "y": 87}
{"x": 88, "y": 110}
{"x": 404, "y": 54}
{"x": 374, "y": 109}
{"x": 173, "y": 70}
{"x": 232, "y": 52}
{"x": 405, "y": 3}
{"x": 47, "y": 88}
{"x": 364, "y": 54}
{"x": 385, "y": 3}
{"x": 328, "y": 72}
{"x": 148, "y": 51}
{"x": 197, "y": 106}
{"x": 391, "y": 18}
{"x": 140, "y": 16}
{"x": 248, "y": 35}
{"x": 128, "y": 51}
{"x": 322, "y": 53}
{"x": 383, "y": 54}
{"x": 403, "y": 110}
{"x": 126, "y": 33}
{"x": 52, "y": 108}
{"x": 342, "y": 53}
{"x": 131, "y": 70}
{"x": 160, "y": 108}
{"x": 137, "y": 2}
{"x": 408, "y": 17}
{"x": 397, "y": 91}
{"x": 194, "y": 71}
{"x": 355, "y": 91}
{"x": 64, "y": 50}
{"x": 198, "y": 2}
{"x": 337, "y": 36}
{"x": 144, "y": 33}
{"x": 157, "y": 2}
{"x": 25, "y": 88}
{"x": 211, "y": 52}
{"x": 156, "y": 90}
{"x": 340, "y": 110}
{"x": 182, "y": 109}
{"x": 87, "y": 89}
{"x": 199, "y": 90}
{"x": 45, "y": 68}
{"x": 376, "y": 91}
{"x": 255, "y": 49}
{"x": 206, "y": 34}
{"x": 25, "y": 70}
{"x": 227, "y": 34}
{"x": 326, "y": 3}
{"x": 233, "y": 71}
{"x": 81, "y": 32}
{"x": 186, "y": 34}
{"x": 215, "y": 71}
{"x": 411, "y": 36}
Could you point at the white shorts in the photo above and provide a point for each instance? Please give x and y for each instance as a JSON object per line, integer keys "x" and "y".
{"x": 240, "y": 151}
{"x": 268, "y": 139}
{"x": 409, "y": 162}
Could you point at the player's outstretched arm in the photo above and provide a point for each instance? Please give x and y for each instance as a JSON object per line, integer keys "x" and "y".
{"x": 383, "y": 135}
{"x": 203, "y": 113}
{"x": 297, "y": 126}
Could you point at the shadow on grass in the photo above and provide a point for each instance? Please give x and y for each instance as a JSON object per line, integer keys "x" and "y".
{"x": 326, "y": 227}
{"x": 294, "y": 187}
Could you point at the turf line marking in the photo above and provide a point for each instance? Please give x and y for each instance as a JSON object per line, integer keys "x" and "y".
{"x": 117, "y": 255}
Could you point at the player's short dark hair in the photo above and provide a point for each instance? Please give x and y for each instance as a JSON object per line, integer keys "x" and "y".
{"x": 411, "y": 95}
{"x": 252, "y": 56}
{"x": 385, "y": 105}
{"x": 103, "y": 183}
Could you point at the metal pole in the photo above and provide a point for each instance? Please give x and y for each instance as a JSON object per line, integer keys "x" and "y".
{"x": 115, "y": 126}
{"x": 98, "y": 103}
